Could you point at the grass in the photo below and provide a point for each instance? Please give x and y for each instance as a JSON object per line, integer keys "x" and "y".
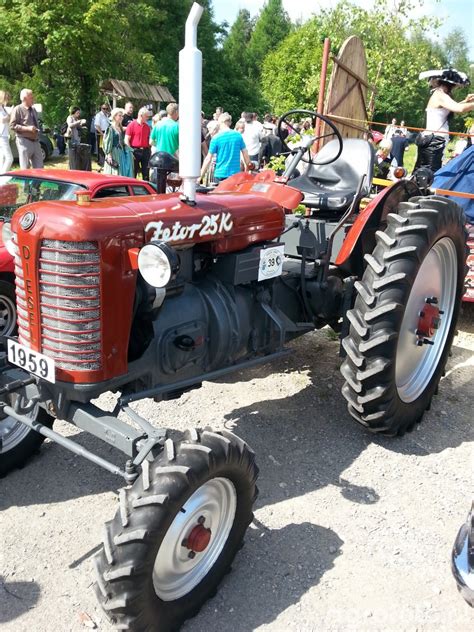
{"x": 58, "y": 162}
{"x": 409, "y": 158}
{"x": 411, "y": 153}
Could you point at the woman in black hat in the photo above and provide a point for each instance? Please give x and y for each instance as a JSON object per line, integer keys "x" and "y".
{"x": 440, "y": 108}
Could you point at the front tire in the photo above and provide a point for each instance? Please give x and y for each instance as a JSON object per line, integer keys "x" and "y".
{"x": 177, "y": 532}
{"x": 405, "y": 314}
{"x": 18, "y": 443}
{"x": 8, "y": 314}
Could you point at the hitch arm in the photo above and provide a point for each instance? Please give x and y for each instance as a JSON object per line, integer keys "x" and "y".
{"x": 67, "y": 443}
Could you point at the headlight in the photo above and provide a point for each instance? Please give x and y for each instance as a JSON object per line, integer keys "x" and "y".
{"x": 158, "y": 263}
{"x": 7, "y": 238}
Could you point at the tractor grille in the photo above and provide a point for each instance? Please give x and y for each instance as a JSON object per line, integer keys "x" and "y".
{"x": 70, "y": 315}
{"x": 22, "y": 314}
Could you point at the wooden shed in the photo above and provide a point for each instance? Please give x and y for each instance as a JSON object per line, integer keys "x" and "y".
{"x": 137, "y": 91}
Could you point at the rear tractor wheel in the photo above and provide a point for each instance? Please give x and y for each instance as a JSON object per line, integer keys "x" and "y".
{"x": 177, "y": 532}
{"x": 405, "y": 314}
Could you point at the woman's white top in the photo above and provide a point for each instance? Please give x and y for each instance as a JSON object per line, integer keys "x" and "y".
{"x": 4, "y": 122}
{"x": 437, "y": 122}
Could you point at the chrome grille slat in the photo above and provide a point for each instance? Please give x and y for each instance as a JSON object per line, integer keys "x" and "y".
{"x": 69, "y": 258}
{"x": 86, "y": 336}
{"x": 77, "y": 327}
{"x": 69, "y": 287}
{"x": 69, "y": 245}
{"x": 85, "y": 268}
{"x": 71, "y": 292}
{"x": 63, "y": 282}
{"x": 89, "y": 366}
{"x": 70, "y": 314}
{"x": 69, "y": 278}
{"x": 72, "y": 346}
{"x": 79, "y": 303}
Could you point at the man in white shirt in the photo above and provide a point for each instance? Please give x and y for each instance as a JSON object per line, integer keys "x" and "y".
{"x": 101, "y": 122}
{"x": 252, "y": 135}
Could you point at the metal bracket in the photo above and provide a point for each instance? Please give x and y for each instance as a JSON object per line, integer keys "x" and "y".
{"x": 68, "y": 444}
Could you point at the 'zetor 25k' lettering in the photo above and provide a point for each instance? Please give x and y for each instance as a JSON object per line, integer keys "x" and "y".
{"x": 209, "y": 225}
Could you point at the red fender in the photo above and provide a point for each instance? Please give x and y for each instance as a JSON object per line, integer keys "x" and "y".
{"x": 383, "y": 203}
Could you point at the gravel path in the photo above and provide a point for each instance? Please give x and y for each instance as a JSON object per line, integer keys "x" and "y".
{"x": 351, "y": 532}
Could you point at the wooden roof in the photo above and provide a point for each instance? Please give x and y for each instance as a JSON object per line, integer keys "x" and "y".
{"x": 137, "y": 90}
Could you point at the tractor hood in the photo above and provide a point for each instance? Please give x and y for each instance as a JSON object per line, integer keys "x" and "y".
{"x": 218, "y": 223}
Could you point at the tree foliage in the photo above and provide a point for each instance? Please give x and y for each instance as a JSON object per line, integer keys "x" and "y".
{"x": 396, "y": 44}
{"x": 68, "y": 47}
{"x": 64, "y": 49}
{"x": 271, "y": 27}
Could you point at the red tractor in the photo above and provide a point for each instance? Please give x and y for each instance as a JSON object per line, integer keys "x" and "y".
{"x": 151, "y": 296}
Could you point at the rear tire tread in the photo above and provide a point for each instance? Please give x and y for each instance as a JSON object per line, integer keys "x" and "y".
{"x": 382, "y": 294}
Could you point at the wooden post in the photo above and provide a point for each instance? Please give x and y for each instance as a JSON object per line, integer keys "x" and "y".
{"x": 371, "y": 108}
{"x": 322, "y": 90}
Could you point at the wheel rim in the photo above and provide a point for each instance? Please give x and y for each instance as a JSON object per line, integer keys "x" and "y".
{"x": 417, "y": 355}
{"x": 12, "y": 432}
{"x": 7, "y": 315}
{"x": 176, "y": 571}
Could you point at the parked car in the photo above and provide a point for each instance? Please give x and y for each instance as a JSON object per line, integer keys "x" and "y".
{"x": 45, "y": 142}
{"x": 33, "y": 185}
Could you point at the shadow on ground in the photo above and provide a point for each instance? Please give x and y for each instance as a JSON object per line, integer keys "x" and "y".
{"x": 16, "y": 598}
{"x": 273, "y": 571}
{"x": 303, "y": 442}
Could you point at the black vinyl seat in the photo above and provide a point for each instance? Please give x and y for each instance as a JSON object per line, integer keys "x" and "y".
{"x": 331, "y": 188}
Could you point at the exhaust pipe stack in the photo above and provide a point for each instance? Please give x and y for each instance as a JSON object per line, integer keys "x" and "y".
{"x": 190, "y": 99}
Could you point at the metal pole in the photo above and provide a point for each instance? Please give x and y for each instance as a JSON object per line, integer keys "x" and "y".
{"x": 190, "y": 97}
{"x": 371, "y": 108}
{"x": 322, "y": 91}
{"x": 65, "y": 442}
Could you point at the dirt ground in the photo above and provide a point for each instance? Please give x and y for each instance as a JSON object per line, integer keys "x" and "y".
{"x": 351, "y": 532}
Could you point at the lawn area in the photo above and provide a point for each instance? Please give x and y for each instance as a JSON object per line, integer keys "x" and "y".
{"x": 59, "y": 162}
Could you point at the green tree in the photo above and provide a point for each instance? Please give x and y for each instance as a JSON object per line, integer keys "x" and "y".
{"x": 241, "y": 92}
{"x": 64, "y": 49}
{"x": 236, "y": 43}
{"x": 271, "y": 27}
{"x": 67, "y": 47}
{"x": 456, "y": 50}
{"x": 393, "y": 42}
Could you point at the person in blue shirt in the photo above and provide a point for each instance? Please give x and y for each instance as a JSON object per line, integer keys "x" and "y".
{"x": 226, "y": 147}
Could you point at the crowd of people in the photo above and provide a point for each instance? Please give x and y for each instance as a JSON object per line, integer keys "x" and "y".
{"x": 123, "y": 143}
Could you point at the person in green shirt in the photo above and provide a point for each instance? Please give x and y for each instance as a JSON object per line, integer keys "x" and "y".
{"x": 165, "y": 134}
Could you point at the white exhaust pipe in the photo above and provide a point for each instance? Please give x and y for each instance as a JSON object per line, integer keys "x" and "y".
{"x": 190, "y": 99}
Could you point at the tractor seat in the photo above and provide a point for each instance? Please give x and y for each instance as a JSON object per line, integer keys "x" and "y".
{"x": 331, "y": 188}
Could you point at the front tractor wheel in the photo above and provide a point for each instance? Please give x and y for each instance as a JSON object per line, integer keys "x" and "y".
{"x": 405, "y": 314}
{"x": 18, "y": 443}
{"x": 176, "y": 533}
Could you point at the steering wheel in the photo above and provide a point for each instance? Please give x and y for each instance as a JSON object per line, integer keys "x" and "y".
{"x": 311, "y": 139}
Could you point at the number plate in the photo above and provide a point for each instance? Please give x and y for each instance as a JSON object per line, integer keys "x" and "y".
{"x": 31, "y": 361}
{"x": 271, "y": 263}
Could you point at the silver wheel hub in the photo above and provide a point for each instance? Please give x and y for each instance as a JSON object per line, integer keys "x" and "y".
{"x": 12, "y": 432}
{"x": 7, "y": 315}
{"x": 427, "y": 320}
{"x": 195, "y": 539}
